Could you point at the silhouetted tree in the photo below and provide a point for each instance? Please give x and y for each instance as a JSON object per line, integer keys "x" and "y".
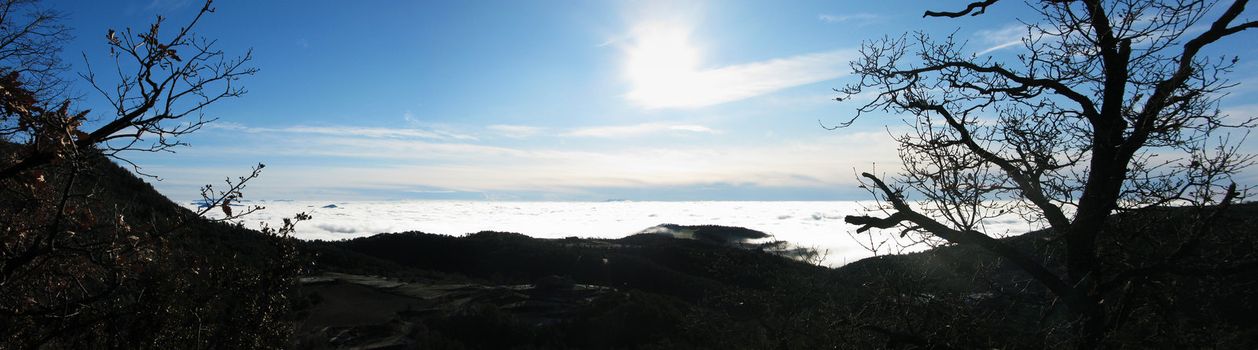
{"x": 1108, "y": 106}
{"x": 30, "y": 38}
{"x": 160, "y": 90}
{"x": 86, "y": 255}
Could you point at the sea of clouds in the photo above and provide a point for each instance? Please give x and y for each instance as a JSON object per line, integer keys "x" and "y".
{"x": 817, "y": 225}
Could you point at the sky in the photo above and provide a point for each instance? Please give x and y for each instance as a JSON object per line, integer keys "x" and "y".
{"x": 545, "y": 100}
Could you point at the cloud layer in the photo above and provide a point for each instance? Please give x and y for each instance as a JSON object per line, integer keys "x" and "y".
{"x": 665, "y": 70}
{"x": 576, "y": 163}
{"x": 644, "y": 129}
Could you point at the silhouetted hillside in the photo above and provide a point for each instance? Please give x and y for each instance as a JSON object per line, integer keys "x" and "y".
{"x": 718, "y": 295}
{"x": 659, "y": 290}
{"x": 217, "y": 284}
{"x": 137, "y": 269}
{"x": 1202, "y": 296}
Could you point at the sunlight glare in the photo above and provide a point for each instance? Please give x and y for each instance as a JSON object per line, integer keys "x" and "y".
{"x": 662, "y": 65}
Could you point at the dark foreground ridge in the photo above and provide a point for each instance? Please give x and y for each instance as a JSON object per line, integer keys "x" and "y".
{"x": 672, "y": 287}
{"x": 652, "y": 290}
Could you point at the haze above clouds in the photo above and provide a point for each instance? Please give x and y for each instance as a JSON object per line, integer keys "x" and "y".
{"x": 656, "y": 100}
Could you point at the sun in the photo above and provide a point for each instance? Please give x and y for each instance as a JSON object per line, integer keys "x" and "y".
{"x": 662, "y": 64}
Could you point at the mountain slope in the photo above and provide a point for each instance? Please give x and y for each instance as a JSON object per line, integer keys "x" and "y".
{"x": 701, "y": 293}
{"x": 94, "y": 257}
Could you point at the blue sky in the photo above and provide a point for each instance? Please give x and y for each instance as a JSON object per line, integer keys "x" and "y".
{"x": 544, "y": 100}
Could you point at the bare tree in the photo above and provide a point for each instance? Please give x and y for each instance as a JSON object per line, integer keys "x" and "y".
{"x": 85, "y": 252}
{"x": 162, "y": 82}
{"x": 30, "y": 37}
{"x": 161, "y": 86}
{"x": 1108, "y": 106}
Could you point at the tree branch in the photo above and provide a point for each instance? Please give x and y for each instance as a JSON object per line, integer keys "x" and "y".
{"x": 1089, "y": 109}
{"x": 1027, "y": 185}
{"x": 968, "y": 237}
{"x": 981, "y": 6}
{"x": 1162, "y": 95}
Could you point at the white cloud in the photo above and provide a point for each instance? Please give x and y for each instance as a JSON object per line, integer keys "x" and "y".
{"x": 399, "y": 149}
{"x": 665, "y": 70}
{"x": 692, "y": 128}
{"x": 393, "y": 164}
{"x": 806, "y": 224}
{"x": 432, "y": 191}
{"x": 515, "y": 131}
{"x": 1240, "y": 114}
{"x": 1002, "y": 38}
{"x": 859, "y": 18}
{"x": 378, "y": 132}
{"x": 349, "y": 131}
{"x": 737, "y": 82}
{"x": 645, "y": 129}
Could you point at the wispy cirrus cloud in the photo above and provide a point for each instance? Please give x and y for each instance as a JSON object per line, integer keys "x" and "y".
{"x": 351, "y": 131}
{"x": 379, "y": 132}
{"x": 1239, "y": 115}
{"x": 664, "y": 70}
{"x": 515, "y": 131}
{"x": 363, "y": 165}
{"x": 860, "y": 18}
{"x": 644, "y": 129}
{"x": 1006, "y": 37}
{"x": 738, "y": 82}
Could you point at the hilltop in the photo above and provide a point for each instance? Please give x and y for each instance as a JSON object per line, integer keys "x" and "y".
{"x": 129, "y": 267}
{"x": 676, "y": 287}
{"x": 659, "y": 291}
